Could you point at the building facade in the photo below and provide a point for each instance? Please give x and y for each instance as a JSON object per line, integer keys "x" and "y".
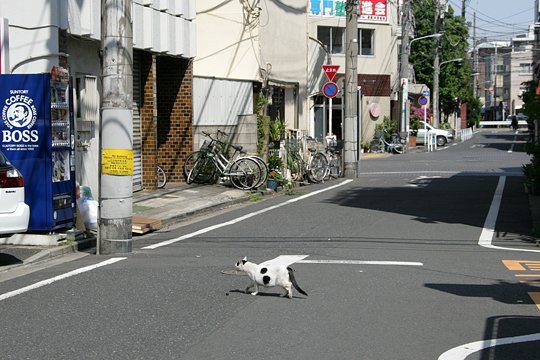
{"x": 280, "y": 48}
{"x": 39, "y": 34}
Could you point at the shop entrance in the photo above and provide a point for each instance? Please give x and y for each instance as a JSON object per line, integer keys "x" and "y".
{"x": 328, "y": 118}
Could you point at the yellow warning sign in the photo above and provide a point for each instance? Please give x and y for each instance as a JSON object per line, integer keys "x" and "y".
{"x": 117, "y": 162}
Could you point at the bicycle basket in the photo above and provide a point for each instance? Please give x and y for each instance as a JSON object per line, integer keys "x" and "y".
{"x": 336, "y": 146}
{"x": 379, "y": 134}
{"x": 314, "y": 145}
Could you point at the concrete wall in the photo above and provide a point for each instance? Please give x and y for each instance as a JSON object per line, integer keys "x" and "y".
{"x": 227, "y": 46}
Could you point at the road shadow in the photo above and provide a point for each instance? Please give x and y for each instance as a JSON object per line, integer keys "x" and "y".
{"x": 450, "y": 199}
{"x": 8, "y": 259}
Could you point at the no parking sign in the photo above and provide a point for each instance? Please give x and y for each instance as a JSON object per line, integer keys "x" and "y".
{"x": 330, "y": 89}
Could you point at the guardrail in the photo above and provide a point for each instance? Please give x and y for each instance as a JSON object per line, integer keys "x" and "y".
{"x": 465, "y": 134}
{"x": 431, "y": 141}
{"x": 502, "y": 123}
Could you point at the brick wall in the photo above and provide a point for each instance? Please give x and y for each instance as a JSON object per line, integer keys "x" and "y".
{"x": 174, "y": 106}
{"x": 148, "y": 120}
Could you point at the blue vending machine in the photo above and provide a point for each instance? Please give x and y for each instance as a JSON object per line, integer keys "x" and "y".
{"x": 37, "y": 137}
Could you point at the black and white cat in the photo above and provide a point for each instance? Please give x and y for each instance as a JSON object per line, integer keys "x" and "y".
{"x": 269, "y": 275}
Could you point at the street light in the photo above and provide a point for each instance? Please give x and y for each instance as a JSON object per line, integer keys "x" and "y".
{"x": 437, "y": 70}
{"x": 437, "y": 35}
{"x": 404, "y": 75}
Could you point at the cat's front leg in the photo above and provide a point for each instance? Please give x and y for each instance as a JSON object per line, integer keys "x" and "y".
{"x": 256, "y": 289}
{"x": 249, "y": 287}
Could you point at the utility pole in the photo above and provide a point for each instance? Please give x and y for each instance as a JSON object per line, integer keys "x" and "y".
{"x": 436, "y": 65}
{"x": 475, "y": 59}
{"x": 350, "y": 124}
{"x": 116, "y": 129}
{"x": 404, "y": 69}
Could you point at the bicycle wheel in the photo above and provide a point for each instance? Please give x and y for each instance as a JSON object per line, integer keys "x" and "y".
{"x": 206, "y": 170}
{"x": 377, "y": 146}
{"x": 296, "y": 166}
{"x": 244, "y": 173}
{"x": 397, "y": 148}
{"x": 161, "y": 177}
{"x": 318, "y": 165}
{"x": 264, "y": 171}
{"x": 336, "y": 169}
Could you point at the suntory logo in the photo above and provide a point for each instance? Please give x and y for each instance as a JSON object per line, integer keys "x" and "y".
{"x": 19, "y": 115}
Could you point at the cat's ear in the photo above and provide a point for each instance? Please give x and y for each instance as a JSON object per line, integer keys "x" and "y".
{"x": 244, "y": 260}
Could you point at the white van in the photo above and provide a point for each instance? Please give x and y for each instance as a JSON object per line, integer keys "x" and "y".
{"x": 443, "y": 136}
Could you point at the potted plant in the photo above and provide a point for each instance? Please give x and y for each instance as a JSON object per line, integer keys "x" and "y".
{"x": 277, "y": 132}
{"x": 275, "y": 179}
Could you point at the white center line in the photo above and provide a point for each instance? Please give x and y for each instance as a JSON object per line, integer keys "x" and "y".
{"x": 59, "y": 277}
{"x": 242, "y": 218}
{"x": 361, "y": 262}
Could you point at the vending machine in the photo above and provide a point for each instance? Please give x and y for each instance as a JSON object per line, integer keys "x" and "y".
{"x": 38, "y": 138}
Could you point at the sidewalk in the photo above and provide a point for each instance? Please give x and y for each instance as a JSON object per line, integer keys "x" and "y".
{"x": 161, "y": 207}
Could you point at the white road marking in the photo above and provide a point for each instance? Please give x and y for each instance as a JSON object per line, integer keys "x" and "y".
{"x": 361, "y": 262}
{"x": 284, "y": 260}
{"x": 59, "y": 277}
{"x": 461, "y": 352}
{"x": 242, "y": 218}
{"x": 486, "y": 237}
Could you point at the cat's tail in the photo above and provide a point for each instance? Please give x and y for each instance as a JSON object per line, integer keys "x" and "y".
{"x": 295, "y": 284}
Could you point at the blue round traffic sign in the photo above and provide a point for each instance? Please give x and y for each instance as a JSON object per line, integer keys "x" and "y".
{"x": 422, "y": 100}
{"x": 330, "y": 89}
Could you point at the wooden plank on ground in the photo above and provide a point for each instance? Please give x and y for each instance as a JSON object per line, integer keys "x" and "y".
{"x": 143, "y": 224}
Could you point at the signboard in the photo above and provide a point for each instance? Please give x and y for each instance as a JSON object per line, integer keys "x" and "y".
{"x": 422, "y": 100}
{"x": 368, "y": 10}
{"x": 375, "y": 10}
{"x": 330, "y": 71}
{"x": 425, "y": 93}
{"x": 117, "y": 162}
{"x": 330, "y": 89}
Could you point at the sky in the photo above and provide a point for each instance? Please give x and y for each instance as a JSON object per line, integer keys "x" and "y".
{"x": 497, "y": 19}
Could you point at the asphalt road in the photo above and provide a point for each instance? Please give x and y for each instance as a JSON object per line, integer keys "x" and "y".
{"x": 419, "y": 256}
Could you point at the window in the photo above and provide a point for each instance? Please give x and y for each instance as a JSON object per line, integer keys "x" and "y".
{"x": 366, "y": 41}
{"x": 333, "y": 38}
{"x": 525, "y": 68}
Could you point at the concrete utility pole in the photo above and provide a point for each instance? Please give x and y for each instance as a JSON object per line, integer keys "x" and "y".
{"x": 350, "y": 124}
{"x": 436, "y": 65}
{"x": 404, "y": 69}
{"x": 116, "y": 130}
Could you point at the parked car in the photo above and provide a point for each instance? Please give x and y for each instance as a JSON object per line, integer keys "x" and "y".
{"x": 14, "y": 212}
{"x": 443, "y": 136}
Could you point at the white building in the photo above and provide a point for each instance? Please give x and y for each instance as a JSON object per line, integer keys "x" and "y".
{"x": 245, "y": 46}
{"x": 40, "y": 34}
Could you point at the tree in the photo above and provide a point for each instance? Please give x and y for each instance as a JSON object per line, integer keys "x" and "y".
{"x": 454, "y": 87}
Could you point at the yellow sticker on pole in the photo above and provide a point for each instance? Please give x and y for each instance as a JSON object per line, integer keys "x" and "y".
{"x": 117, "y": 162}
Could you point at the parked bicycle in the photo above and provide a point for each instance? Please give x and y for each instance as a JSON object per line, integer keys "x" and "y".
{"x": 318, "y": 163}
{"x": 335, "y": 161}
{"x": 312, "y": 170}
{"x": 380, "y": 145}
{"x": 210, "y": 162}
